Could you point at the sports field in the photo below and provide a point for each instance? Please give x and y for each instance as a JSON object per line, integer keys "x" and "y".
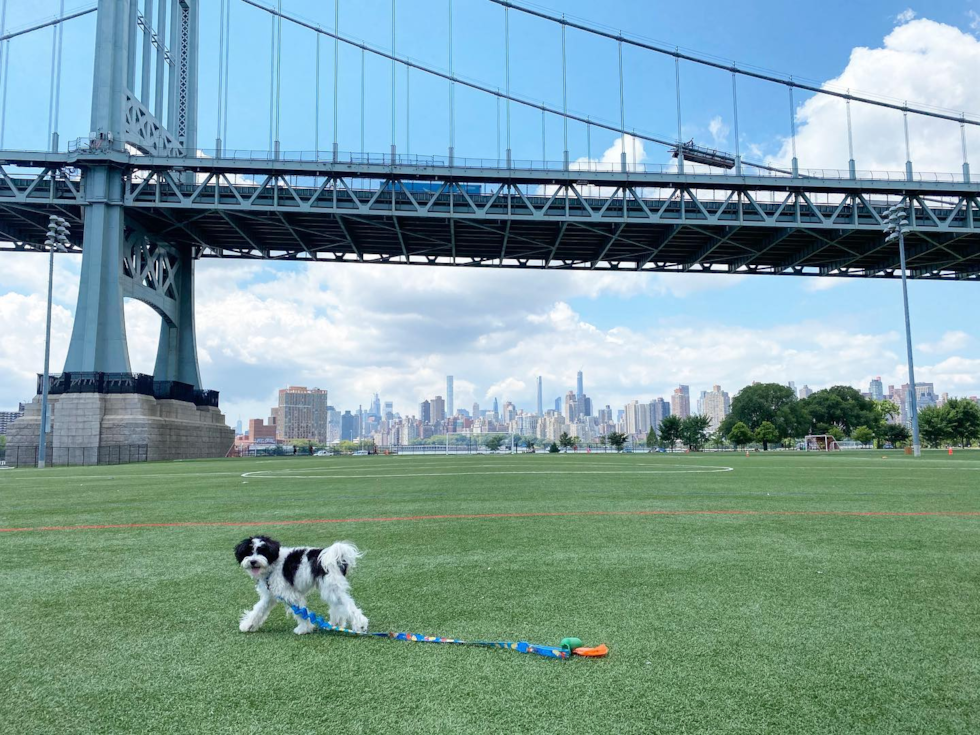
{"x": 772, "y": 593}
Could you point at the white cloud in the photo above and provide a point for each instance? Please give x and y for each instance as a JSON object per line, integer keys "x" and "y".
{"x": 719, "y": 131}
{"x": 948, "y": 343}
{"x": 905, "y": 16}
{"x": 921, "y": 61}
{"x": 974, "y": 17}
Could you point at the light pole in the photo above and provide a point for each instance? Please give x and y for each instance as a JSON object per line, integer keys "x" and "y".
{"x": 57, "y": 238}
{"x": 897, "y": 225}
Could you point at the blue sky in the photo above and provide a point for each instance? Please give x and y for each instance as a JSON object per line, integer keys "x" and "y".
{"x": 635, "y": 336}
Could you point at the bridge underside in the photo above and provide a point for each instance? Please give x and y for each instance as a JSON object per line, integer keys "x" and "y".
{"x": 478, "y": 218}
{"x": 510, "y": 243}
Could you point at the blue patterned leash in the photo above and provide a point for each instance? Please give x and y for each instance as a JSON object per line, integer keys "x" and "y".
{"x": 519, "y": 646}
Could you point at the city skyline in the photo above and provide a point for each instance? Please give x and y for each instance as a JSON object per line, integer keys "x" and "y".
{"x": 294, "y": 418}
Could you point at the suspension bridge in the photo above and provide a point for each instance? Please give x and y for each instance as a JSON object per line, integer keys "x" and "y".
{"x": 145, "y": 196}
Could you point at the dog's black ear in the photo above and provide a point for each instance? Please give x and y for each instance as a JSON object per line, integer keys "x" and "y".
{"x": 269, "y": 548}
{"x": 243, "y": 549}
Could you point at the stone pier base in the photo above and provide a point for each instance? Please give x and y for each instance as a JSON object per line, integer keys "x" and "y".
{"x": 93, "y": 428}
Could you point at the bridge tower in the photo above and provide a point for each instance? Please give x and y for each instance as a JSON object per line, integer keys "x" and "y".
{"x": 98, "y": 403}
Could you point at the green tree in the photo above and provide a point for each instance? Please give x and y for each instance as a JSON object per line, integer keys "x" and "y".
{"x": 553, "y": 449}
{"x": 694, "y": 431}
{"x": 841, "y": 406}
{"x": 770, "y": 402}
{"x": 884, "y": 411}
{"x": 896, "y": 434}
{"x": 963, "y": 419}
{"x": 652, "y": 439}
{"x": 934, "y": 426}
{"x": 3, "y": 442}
{"x": 494, "y": 443}
{"x": 565, "y": 441}
{"x": 617, "y": 440}
{"x": 530, "y": 441}
{"x": 766, "y": 433}
{"x": 836, "y": 432}
{"x": 863, "y": 434}
{"x": 670, "y": 431}
{"x": 740, "y": 434}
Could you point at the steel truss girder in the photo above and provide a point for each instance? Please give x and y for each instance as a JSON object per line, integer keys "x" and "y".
{"x": 222, "y": 212}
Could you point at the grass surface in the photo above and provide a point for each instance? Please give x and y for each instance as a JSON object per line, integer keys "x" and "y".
{"x": 844, "y": 599}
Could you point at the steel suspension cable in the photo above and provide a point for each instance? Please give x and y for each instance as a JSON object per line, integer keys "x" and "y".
{"x": 676, "y": 53}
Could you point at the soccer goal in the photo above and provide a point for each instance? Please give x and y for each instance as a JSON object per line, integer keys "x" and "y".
{"x": 821, "y": 443}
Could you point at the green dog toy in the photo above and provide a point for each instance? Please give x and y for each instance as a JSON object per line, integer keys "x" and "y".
{"x": 570, "y": 644}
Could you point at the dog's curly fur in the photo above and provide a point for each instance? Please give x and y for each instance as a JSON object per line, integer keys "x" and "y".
{"x": 290, "y": 573}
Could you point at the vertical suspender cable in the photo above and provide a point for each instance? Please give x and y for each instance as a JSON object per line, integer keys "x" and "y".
{"x": 497, "y": 99}
{"x": 792, "y": 128}
{"x": 55, "y": 85}
{"x": 507, "y": 75}
{"x": 223, "y": 8}
{"x": 908, "y": 147}
{"x": 224, "y": 102}
{"x": 588, "y": 140}
{"x": 393, "y": 52}
{"x": 363, "y": 54}
{"x": 4, "y": 46}
{"x": 564, "y": 93}
{"x": 738, "y": 157}
{"x": 452, "y": 92}
{"x": 850, "y": 140}
{"x": 622, "y": 109}
{"x": 408, "y": 109}
{"x": 336, "y": 81}
{"x": 278, "y": 71}
{"x": 54, "y": 94}
{"x": 272, "y": 84}
{"x": 316, "y": 103}
{"x": 966, "y": 160}
{"x": 680, "y": 135}
{"x": 544, "y": 146}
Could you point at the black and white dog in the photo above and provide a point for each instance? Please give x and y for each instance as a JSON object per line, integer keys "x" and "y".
{"x": 292, "y": 573}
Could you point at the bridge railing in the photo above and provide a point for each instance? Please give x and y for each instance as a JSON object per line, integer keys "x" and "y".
{"x": 585, "y": 166}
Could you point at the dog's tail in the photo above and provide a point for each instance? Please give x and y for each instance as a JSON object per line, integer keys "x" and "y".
{"x": 342, "y": 557}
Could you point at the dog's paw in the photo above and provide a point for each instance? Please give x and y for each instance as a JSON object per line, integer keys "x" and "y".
{"x": 303, "y": 629}
{"x": 359, "y": 623}
{"x": 247, "y": 626}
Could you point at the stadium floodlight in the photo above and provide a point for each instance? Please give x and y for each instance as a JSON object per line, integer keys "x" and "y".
{"x": 896, "y": 228}
{"x": 57, "y": 239}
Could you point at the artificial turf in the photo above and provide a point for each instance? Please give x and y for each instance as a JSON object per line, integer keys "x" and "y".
{"x": 844, "y": 598}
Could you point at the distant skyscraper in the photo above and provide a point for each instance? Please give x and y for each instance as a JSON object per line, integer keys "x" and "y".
{"x": 389, "y": 413}
{"x": 302, "y": 414}
{"x": 680, "y": 402}
{"x": 238, "y": 428}
{"x": 438, "y": 409}
{"x": 571, "y": 408}
{"x": 805, "y": 392}
{"x": 558, "y": 404}
{"x": 716, "y": 405}
{"x": 877, "y": 390}
{"x": 375, "y": 409}
{"x": 476, "y": 410}
{"x": 659, "y": 410}
{"x": 540, "y": 405}
{"x": 425, "y": 412}
{"x": 496, "y": 408}
{"x": 450, "y": 406}
{"x": 579, "y": 391}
